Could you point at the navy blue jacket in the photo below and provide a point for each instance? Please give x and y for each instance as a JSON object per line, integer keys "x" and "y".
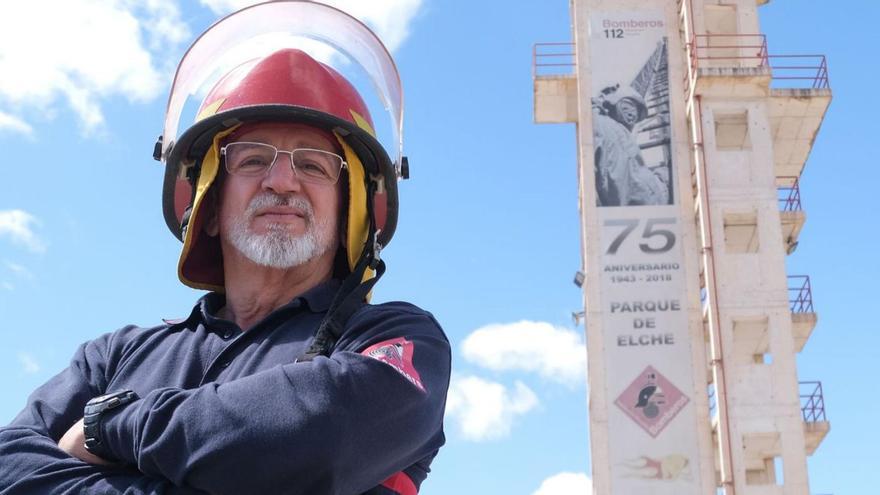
{"x": 223, "y": 411}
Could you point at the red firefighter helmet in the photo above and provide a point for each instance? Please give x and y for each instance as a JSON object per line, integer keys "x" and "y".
{"x": 283, "y": 83}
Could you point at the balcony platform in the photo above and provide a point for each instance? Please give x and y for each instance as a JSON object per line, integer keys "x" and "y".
{"x": 814, "y": 433}
{"x": 732, "y": 82}
{"x": 751, "y": 338}
{"x": 792, "y": 223}
{"x": 555, "y": 99}
{"x": 741, "y": 234}
{"x": 802, "y": 325}
{"x": 795, "y": 118}
{"x": 761, "y": 446}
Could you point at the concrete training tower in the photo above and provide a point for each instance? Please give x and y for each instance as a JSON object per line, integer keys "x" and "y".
{"x": 691, "y": 139}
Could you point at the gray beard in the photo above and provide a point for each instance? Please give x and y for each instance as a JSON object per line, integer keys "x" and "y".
{"x": 278, "y": 247}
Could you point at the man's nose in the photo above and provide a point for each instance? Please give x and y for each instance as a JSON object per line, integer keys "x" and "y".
{"x": 281, "y": 178}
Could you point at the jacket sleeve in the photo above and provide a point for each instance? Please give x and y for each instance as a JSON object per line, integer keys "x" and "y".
{"x": 337, "y": 425}
{"x": 30, "y": 460}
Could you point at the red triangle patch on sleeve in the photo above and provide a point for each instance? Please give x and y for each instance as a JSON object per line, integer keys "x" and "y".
{"x": 398, "y": 354}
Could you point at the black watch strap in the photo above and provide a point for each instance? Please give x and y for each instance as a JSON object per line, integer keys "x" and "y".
{"x": 94, "y": 410}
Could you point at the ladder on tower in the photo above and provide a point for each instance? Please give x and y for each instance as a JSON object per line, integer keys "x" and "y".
{"x": 653, "y": 135}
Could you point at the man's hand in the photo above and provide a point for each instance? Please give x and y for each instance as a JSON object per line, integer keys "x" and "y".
{"x": 73, "y": 442}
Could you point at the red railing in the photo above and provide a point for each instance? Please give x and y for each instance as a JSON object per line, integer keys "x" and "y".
{"x": 714, "y": 50}
{"x": 553, "y": 59}
{"x": 812, "y": 401}
{"x": 734, "y": 49}
{"x": 750, "y": 50}
{"x": 788, "y": 193}
{"x": 808, "y": 70}
{"x": 800, "y": 294}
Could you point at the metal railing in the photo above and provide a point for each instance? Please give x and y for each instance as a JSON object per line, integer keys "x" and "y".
{"x": 553, "y": 59}
{"x": 725, "y": 50}
{"x": 800, "y": 294}
{"x": 807, "y": 71}
{"x": 812, "y": 401}
{"x": 750, "y": 50}
{"x": 788, "y": 194}
{"x": 712, "y": 50}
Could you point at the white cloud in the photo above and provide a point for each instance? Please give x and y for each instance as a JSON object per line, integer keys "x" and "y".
{"x": 28, "y": 363}
{"x": 566, "y": 484}
{"x": 7, "y": 286}
{"x": 84, "y": 51}
{"x": 16, "y": 224}
{"x": 553, "y": 352}
{"x": 19, "y": 270}
{"x": 389, "y": 19}
{"x": 485, "y": 410}
{"x": 12, "y": 123}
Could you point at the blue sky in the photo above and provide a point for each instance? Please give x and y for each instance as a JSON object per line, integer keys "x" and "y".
{"x": 488, "y": 232}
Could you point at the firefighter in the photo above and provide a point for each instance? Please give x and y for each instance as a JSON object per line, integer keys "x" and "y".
{"x": 622, "y": 178}
{"x": 283, "y": 378}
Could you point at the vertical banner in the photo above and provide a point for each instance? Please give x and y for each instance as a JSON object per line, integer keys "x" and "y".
{"x": 652, "y": 424}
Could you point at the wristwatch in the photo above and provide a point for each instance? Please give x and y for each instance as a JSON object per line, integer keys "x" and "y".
{"x": 94, "y": 410}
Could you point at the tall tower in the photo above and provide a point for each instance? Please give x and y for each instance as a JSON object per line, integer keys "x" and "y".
{"x": 692, "y": 136}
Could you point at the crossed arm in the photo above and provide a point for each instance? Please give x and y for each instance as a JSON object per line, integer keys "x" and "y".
{"x": 33, "y": 462}
{"x": 335, "y": 425}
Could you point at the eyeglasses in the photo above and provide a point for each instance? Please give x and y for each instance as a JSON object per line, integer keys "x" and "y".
{"x": 257, "y": 159}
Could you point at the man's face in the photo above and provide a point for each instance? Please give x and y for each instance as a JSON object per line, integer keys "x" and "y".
{"x": 628, "y": 111}
{"x": 276, "y": 219}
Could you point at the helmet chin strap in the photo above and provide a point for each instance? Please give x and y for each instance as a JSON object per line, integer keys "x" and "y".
{"x": 351, "y": 293}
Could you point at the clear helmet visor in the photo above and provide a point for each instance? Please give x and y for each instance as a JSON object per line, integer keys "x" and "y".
{"x": 327, "y": 34}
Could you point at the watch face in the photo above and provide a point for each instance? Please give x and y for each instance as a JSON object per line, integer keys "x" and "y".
{"x": 114, "y": 399}
{"x": 101, "y": 398}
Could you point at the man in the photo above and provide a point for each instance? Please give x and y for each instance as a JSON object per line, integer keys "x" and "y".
{"x": 283, "y": 379}
{"x": 622, "y": 178}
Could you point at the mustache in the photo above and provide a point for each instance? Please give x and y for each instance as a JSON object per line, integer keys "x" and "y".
{"x": 268, "y": 199}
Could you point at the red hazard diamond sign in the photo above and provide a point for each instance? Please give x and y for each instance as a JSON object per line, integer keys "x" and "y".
{"x": 652, "y": 401}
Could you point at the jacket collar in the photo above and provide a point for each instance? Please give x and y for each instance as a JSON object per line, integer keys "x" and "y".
{"x": 317, "y": 300}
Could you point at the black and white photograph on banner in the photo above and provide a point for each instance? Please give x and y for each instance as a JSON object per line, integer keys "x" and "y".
{"x": 631, "y": 135}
